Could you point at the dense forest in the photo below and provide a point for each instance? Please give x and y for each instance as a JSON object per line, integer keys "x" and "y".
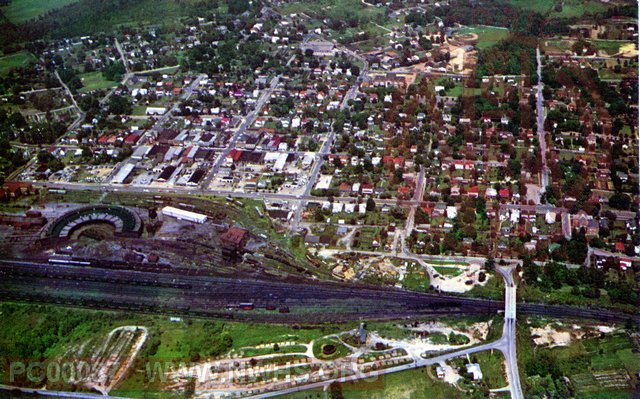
{"x": 10, "y": 157}
{"x": 513, "y": 56}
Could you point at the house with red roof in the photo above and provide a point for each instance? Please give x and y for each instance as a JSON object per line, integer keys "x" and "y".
{"x": 428, "y": 209}
{"x": 234, "y": 155}
{"x": 132, "y": 139}
{"x": 473, "y": 192}
{"x": 404, "y": 190}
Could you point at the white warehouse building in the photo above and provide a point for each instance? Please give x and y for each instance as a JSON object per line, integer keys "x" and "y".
{"x": 181, "y": 214}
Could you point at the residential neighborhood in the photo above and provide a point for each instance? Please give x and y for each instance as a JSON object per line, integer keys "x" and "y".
{"x": 282, "y": 162}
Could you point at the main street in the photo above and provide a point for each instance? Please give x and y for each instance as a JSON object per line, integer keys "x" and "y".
{"x": 542, "y": 138}
{"x": 326, "y": 146}
{"x": 244, "y": 125}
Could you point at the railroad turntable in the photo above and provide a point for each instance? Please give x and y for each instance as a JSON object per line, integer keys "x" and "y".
{"x": 97, "y": 221}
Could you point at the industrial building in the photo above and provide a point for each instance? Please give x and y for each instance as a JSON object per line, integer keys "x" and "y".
{"x": 233, "y": 242}
{"x": 181, "y": 214}
{"x": 123, "y": 173}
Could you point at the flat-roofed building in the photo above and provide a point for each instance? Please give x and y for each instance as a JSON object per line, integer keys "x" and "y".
{"x": 123, "y": 173}
{"x": 181, "y": 214}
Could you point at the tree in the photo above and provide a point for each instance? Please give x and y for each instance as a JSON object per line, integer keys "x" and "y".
{"x": 398, "y": 176}
{"x": 371, "y": 205}
{"x": 577, "y": 250}
{"x": 620, "y": 201}
{"x": 425, "y": 43}
{"x": 449, "y": 243}
{"x": 114, "y": 71}
{"x": 490, "y": 264}
{"x": 530, "y": 271}
{"x": 120, "y": 105}
{"x": 335, "y": 391}
{"x": 236, "y": 7}
{"x": 319, "y": 215}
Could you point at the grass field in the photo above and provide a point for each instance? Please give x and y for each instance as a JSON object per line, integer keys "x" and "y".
{"x": 95, "y": 81}
{"x": 333, "y": 9}
{"x": 493, "y": 370}
{"x": 412, "y": 384}
{"x": 577, "y": 8}
{"x": 541, "y": 6}
{"x": 571, "y": 8}
{"x": 15, "y": 60}
{"x": 610, "y": 47}
{"x": 416, "y": 279}
{"x": 48, "y": 332}
{"x": 447, "y": 263}
{"x": 487, "y": 35}
{"x": 24, "y": 10}
{"x": 91, "y": 17}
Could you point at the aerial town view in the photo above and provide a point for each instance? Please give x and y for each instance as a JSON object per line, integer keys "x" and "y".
{"x": 337, "y": 199}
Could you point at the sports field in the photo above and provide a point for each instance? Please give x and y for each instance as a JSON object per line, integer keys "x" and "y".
{"x": 487, "y": 35}
{"x": 15, "y": 60}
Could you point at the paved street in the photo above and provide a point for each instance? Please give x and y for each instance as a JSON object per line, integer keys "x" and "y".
{"x": 246, "y": 123}
{"x": 509, "y": 332}
{"x": 80, "y": 118}
{"x": 541, "y": 115}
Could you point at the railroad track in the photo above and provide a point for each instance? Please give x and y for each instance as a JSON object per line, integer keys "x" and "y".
{"x": 163, "y": 291}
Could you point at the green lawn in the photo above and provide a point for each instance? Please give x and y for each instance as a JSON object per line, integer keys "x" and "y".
{"x": 448, "y": 271}
{"x": 270, "y": 350}
{"x": 446, "y": 262}
{"x": 487, "y": 35}
{"x": 15, "y": 60}
{"x": 24, "y": 10}
{"x": 389, "y": 330}
{"x": 95, "y": 81}
{"x": 340, "y": 349}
